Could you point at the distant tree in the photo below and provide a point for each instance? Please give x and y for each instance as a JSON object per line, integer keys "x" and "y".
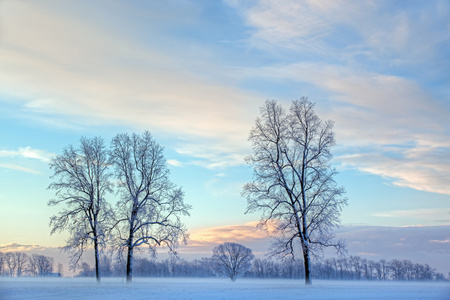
{"x": 106, "y": 265}
{"x": 150, "y": 209}
{"x": 398, "y": 271}
{"x": 293, "y": 183}
{"x": 439, "y": 277}
{"x": 32, "y": 265}
{"x": 60, "y": 269}
{"x": 10, "y": 260}
{"x": 356, "y": 264}
{"x": 85, "y": 270}
{"x": 173, "y": 262}
{"x": 83, "y": 179}
{"x": 232, "y": 260}
{"x": 2, "y": 263}
{"x": 21, "y": 262}
{"x": 41, "y": 265}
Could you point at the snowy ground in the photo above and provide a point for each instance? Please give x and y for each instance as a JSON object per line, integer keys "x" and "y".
{"x": 198, "y": 288}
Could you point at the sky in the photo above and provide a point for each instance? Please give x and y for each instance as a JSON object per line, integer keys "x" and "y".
{"x": 194, "y": 73}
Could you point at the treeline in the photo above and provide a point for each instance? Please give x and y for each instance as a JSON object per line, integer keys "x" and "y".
{"x": 17, "y": 264}
{"x": 345, "y": 268}
{"x": 357, "y": 268}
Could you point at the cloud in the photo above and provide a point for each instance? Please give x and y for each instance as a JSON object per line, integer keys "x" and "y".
{"x": 27, "y": 152}
{"x": 446, "y": 241}
{"x": 18, "y": 168}
{"x": 15, "y": 247}
{"x": 215, "y": 153}
{"x": 202, "y": 240}
{"x": 24, "y": 152}
{"x": 231, "y": 233}
{"x": 441, "y": 214}
{"x": 429, "y": 172}
{"x": 339, "y": 30}
{"x": 174, "y": 162}
{"x": 417, "y": 243}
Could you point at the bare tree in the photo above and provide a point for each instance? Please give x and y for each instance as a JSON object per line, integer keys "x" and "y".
{"x": 86, "y": 270}
{"x": 60, "y": 269}
{"x": 41, "y": 265}
{"x": 83, "y": 179}
{"x": 232, "y": 259}
{"x": 293, "y": 181}
{"x": 151, "y": 205}
{"x": 21, "y": 262}
{"x": 10, "y": 260}
{"x": 2, "y": 262}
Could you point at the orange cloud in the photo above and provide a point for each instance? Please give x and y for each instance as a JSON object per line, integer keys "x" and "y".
{"x": 230, "y": 233}
{"x": 14, "y": 247}
{"x": 202, "y": 241}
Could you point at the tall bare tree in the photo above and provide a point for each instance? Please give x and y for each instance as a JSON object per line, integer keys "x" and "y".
{"x": 232, "y": 259}
{"x": 293, "y": 183}
{"x": 150, "y": 207}
{"x": 82, "y": 179}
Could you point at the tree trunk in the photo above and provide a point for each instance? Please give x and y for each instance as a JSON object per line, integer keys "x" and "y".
{"x": 97, "y": 260}
{"x": 129, "y": 264}
{"x": 307, "y": 263}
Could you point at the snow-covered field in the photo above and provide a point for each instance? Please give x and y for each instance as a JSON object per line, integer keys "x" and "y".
{"x": 199, "y": 288}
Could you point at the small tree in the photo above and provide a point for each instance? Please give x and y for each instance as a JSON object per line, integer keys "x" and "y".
{"x": 232, "y": 260}
{"x": 83, "y": 180}
{"x": 60, "y": 269}
{"x": 149, "y": 212}
{"x": 293, "y": 182}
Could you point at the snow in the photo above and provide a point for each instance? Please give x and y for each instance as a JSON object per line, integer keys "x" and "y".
{"x": 215, "y": 288}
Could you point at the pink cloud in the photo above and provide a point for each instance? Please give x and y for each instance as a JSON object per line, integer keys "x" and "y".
{"x": 441, "y": 241}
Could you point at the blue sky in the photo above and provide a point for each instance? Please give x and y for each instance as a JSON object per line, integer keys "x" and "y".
{"x": 195, "y": 73}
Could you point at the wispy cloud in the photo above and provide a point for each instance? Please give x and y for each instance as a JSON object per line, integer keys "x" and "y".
{"x": 174, "y": 162}
{"x": 446, "y": 241}
{"x": 15, "y": 247}
{"x": 442, "y": 214}
{"x": 428, "y": 172}
{"x": 27, "y": 152}
{"x": 23, "y": 152}
{"x": 334, "y": 29}
{"x": 18, "y": 168}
